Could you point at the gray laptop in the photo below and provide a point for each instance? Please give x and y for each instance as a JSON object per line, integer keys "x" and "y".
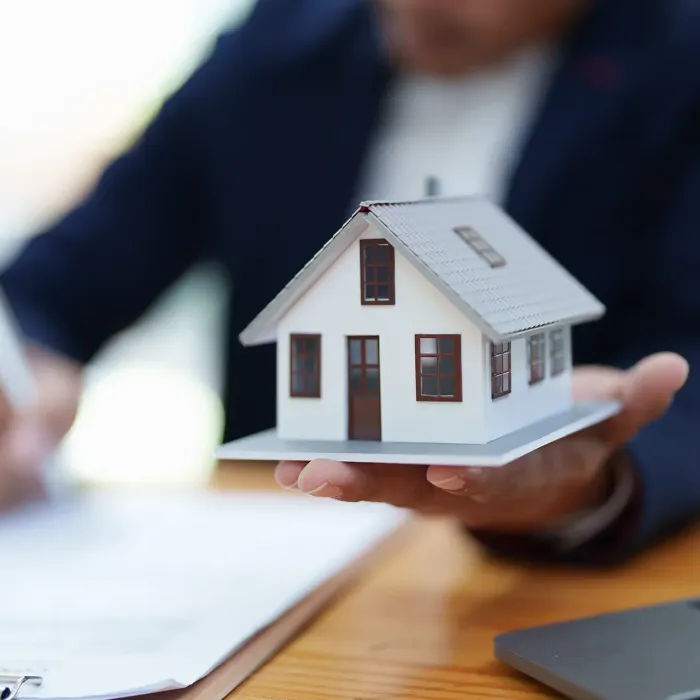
{"x": 650, "y": 653}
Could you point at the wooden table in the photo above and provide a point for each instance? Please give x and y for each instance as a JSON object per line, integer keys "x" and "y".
{"x": 420, "y": 625}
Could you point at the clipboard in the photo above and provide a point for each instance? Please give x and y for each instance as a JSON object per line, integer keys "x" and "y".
{"x": 225, "y": 678}
{"x": 222, "y": 681}
{"x": 12, "y": 684}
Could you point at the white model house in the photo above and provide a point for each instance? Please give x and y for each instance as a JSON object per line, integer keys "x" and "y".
{"x": 434, "y": 321}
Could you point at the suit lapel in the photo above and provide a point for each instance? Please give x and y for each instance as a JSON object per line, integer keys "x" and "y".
{"x": 601, "y": 68}
{"x": 598, "y": 73}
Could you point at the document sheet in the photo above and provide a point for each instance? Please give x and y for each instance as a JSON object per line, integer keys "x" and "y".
{"x": 112, "y": 594}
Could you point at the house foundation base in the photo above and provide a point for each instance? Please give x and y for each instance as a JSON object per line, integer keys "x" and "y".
{"x": 267, "y": 446}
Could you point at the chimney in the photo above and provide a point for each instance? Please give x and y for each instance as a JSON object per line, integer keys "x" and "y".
{"x": 432, "y": 186}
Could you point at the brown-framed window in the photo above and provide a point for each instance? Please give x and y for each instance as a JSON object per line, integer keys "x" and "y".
{"x": 480, "y": 246}
{"x": 378, "y": 272}
{"x": 438, "y": 368}
{"x": 557, "y": 351}
{"x": 536, "y": 357}
{"x": 305, "y": 366}
{"x": 500, "y": 370}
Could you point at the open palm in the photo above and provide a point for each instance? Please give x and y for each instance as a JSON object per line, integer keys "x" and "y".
{"x": 529, "y": 493}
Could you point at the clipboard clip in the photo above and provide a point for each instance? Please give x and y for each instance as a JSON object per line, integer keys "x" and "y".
{"x": 11, "y": 684}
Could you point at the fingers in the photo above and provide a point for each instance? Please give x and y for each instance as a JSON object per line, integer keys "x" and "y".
{"x": 24, "y": 448}
{"x": 646, "y": 392}
{"x": 526, "y": 494}
{"x": 404, "y": 486}
{"x": 287, "y": 474}
{"x": 530, "y": 492}
{"x": 597, "y": 383}
{"x": 484, "y": 484}
{"x": 5, "y": 412}
{"x": 29, "y": 436}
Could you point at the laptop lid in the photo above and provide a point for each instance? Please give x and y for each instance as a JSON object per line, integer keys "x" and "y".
{"x": 650, "y": 653}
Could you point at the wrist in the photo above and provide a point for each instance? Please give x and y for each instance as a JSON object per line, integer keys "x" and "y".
{"x": 603, "y": 510}
{"x": 601, "y": 489}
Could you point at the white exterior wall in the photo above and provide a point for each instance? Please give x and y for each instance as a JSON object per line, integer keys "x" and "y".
{"x": 526, "y": 404}
{"x": 333, "y": 309}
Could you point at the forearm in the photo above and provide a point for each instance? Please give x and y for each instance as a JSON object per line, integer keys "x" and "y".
{"x": 596, "y": 535}
{"x": 654, "y": 491}
{"x": 95, "y": 271}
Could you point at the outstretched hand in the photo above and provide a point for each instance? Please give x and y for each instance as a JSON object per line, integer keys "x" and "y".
{"x": 529, "y": 494}
{"x": 29, "y": 436}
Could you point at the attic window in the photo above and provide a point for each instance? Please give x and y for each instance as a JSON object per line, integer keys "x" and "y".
{"x": 480, "y": 246}
{"x": 377, "y": 270}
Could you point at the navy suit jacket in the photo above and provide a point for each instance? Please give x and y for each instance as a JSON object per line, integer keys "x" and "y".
{"x": 255, "y": 160}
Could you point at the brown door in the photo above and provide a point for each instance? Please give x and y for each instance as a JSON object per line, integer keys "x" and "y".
{"x": 364, "y": 404}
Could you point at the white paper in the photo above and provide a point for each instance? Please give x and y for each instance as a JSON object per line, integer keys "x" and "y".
{"x": 113, "y": 594}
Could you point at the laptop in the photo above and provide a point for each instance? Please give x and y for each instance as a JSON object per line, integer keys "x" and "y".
{"x": 650, "y": 653}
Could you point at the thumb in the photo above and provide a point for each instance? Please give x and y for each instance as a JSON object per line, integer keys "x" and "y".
{"x": 646, "y": 393}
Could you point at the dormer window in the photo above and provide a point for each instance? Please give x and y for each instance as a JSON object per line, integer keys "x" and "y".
{"x": 480, "y": 246}
{"x": 377, "y": 271}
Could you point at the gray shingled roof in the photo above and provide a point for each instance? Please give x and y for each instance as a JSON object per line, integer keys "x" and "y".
{"x": 530, "y": 291}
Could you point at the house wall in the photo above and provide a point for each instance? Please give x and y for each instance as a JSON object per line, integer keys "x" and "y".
{"x": 333, "y": 309}
{"x": 526, "y": 404}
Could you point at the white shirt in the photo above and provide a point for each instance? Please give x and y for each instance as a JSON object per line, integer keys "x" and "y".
{"x": 466, "y": 132}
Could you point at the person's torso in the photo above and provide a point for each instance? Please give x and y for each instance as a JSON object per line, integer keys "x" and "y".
{"x": 586, "y": 169}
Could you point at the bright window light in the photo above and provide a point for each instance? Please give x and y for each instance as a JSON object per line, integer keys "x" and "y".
{"x": 141, "y": 425}
{"x": 78, "y": 79}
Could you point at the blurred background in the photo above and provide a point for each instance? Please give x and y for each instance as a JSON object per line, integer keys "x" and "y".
{"x": 151, "y": 411}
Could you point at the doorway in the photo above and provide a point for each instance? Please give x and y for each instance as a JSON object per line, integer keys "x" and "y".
{"x": 364, "y": 400}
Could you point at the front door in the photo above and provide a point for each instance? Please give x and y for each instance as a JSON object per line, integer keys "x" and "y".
{"x": 364, "y": 404}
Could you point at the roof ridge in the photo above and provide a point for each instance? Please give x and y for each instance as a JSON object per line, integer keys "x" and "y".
{"x": 534, "y": 290}
{"x": 368, "y": 203}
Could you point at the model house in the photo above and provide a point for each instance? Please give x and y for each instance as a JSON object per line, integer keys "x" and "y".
{"x": 433, "y": 321}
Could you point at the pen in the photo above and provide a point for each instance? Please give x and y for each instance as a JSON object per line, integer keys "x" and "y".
{"x": 16, "y": 379}
{"x": 11, "y": 685}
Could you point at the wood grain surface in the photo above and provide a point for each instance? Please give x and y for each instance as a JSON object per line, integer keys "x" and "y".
{"x": 420, "y": 624}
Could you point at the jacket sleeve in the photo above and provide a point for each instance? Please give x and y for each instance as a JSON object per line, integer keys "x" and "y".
{"x": 95, "y": 271}
{"x": 666, "y": 454}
